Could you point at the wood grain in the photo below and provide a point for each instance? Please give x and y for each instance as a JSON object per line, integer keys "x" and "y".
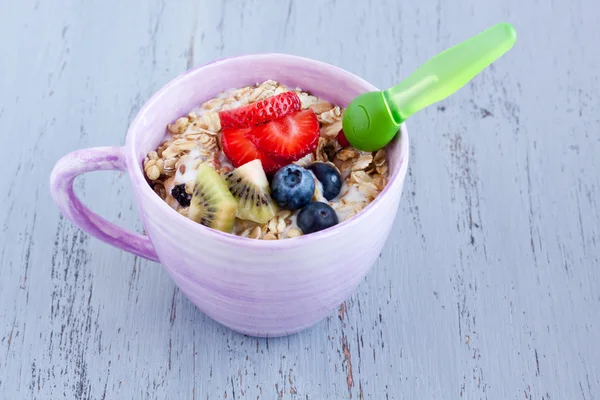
{"x": 488, "y": 285}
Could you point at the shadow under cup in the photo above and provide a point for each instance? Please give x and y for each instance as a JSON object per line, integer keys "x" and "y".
{"x": 255, "y": 287}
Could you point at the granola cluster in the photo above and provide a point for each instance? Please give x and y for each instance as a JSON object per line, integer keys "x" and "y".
{"x": 280, "y": 227}
{"x": 196, "y": 138}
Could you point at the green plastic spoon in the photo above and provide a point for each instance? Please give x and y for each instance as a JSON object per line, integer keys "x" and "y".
{"x": 372, "y": 119}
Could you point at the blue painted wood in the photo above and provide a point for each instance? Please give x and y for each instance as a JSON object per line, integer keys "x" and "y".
{"x": 487, "y": 288}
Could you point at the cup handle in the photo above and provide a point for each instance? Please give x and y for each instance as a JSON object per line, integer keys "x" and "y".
{"x": 61, "y": 188}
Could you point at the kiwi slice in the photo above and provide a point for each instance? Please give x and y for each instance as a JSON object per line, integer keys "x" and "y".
{"x": 212, "y": 204}
{"x": 249, "y": 185}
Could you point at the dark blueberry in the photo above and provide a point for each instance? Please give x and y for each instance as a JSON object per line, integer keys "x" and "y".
{"x": 292, "y": 187}
{"x": 183, "y": 198}
{"x": 329, "y": 177}
{"x": 316, "y": 216}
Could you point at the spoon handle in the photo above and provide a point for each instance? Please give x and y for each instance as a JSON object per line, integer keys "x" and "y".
{"x": 447, "y": 72}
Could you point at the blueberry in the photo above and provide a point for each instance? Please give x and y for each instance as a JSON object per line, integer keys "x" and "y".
{"x": 183, "y": 198}
{"x": 292, "y": 187}
{"x": 329, "y": 178}
{"x": 316, "y": 216}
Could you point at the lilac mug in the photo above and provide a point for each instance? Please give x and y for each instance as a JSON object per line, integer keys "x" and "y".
{"x": 255, "y": 287}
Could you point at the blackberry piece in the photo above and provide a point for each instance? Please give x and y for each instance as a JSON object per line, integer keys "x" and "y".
{"x": 179, "y": 194}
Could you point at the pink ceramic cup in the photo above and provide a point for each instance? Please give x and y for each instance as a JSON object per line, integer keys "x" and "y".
{"x": 255, "y": 287}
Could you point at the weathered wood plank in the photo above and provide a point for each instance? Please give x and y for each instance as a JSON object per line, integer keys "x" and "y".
{"x": 487, "y": 288}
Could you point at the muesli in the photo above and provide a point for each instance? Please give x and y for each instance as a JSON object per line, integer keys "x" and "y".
{"x": 264, "y": 162}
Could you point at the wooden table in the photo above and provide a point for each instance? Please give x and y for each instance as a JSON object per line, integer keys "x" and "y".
{"x": 488, "y": 287}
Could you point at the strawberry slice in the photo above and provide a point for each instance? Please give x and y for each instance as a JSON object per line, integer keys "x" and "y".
{"x": 290, "y": 137}
{"x": 240, "y": 150}
{"x": 341, "y": 139}
{"x": 262, "y": 111}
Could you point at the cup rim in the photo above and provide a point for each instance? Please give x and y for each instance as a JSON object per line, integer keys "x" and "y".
{"x": 147, "y": 194}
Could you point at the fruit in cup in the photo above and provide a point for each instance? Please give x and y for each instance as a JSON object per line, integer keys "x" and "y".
{"x": 290, "y": 137}
{"x": 329, "y": 177}
{"x": 262, "y": 111}
{"x": 273, "y": 131}
{"x": 292, "y": 187}
{"x": 316, "y": 216}
{"x": 249, "y": 185}
{"x": 240, "y": 150}
{"x": 183, "y": 198}
{"x": 212, "y": 204}
{"x": 341, "y": 139}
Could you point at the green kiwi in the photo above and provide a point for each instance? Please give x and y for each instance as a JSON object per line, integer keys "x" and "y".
{"x": 249, "y": 185}
{"x": 212, "y": 204}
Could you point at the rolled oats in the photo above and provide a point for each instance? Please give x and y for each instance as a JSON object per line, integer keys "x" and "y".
{"x": 214, "y": 103}
{"x": 162, "y": 147}
{"x": 169, "y": 166}
{"x": 347, "y": 154}
{"x": 210, "y": 142}
{"x": 264, "y": 229}
{"x": 189, "y": 187}
{"x": 331, "y": 116}
{"x": 321, "y": 106}
{"x": 257, "y": 93}
{"x": 197, "y": 162}
{"x": 320, "y": 152}
{"x": 362, "y": 163}
{"x": 293, "y": 232}
{"x": 272, "y": 226}
{"x": 360, "y": 177}
{"x": 306, "y": 99}
{"x": 380, "y": 181}
{"x": 212, "y": 121}
{"x": 318, "y": 195}
{"x": 255, "y": 233}
{"x": 284, "y": 214}
{"x": 170, "y": 152}
{"x": 269, "y": 236}
{"x": 306, "y": 160}
{"x": 332, "y": 130}
{"x": 379, "y": 158}
{"x": 181, "y": 145}
{"x": 370, "y": 170}
{"x": 383, "y": 169}
{"x": 369, "y": 189}
{"x": 345, "y": 166}
{"x": 179, "y": 126}
{"x": 281, "y": 225}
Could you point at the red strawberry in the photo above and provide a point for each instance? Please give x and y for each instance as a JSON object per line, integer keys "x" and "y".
{"x": 262, "y": 111}
{"x": 240, "y": 150}
{"x": 290, "y": 137}
{"x": 341, "y": 139}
